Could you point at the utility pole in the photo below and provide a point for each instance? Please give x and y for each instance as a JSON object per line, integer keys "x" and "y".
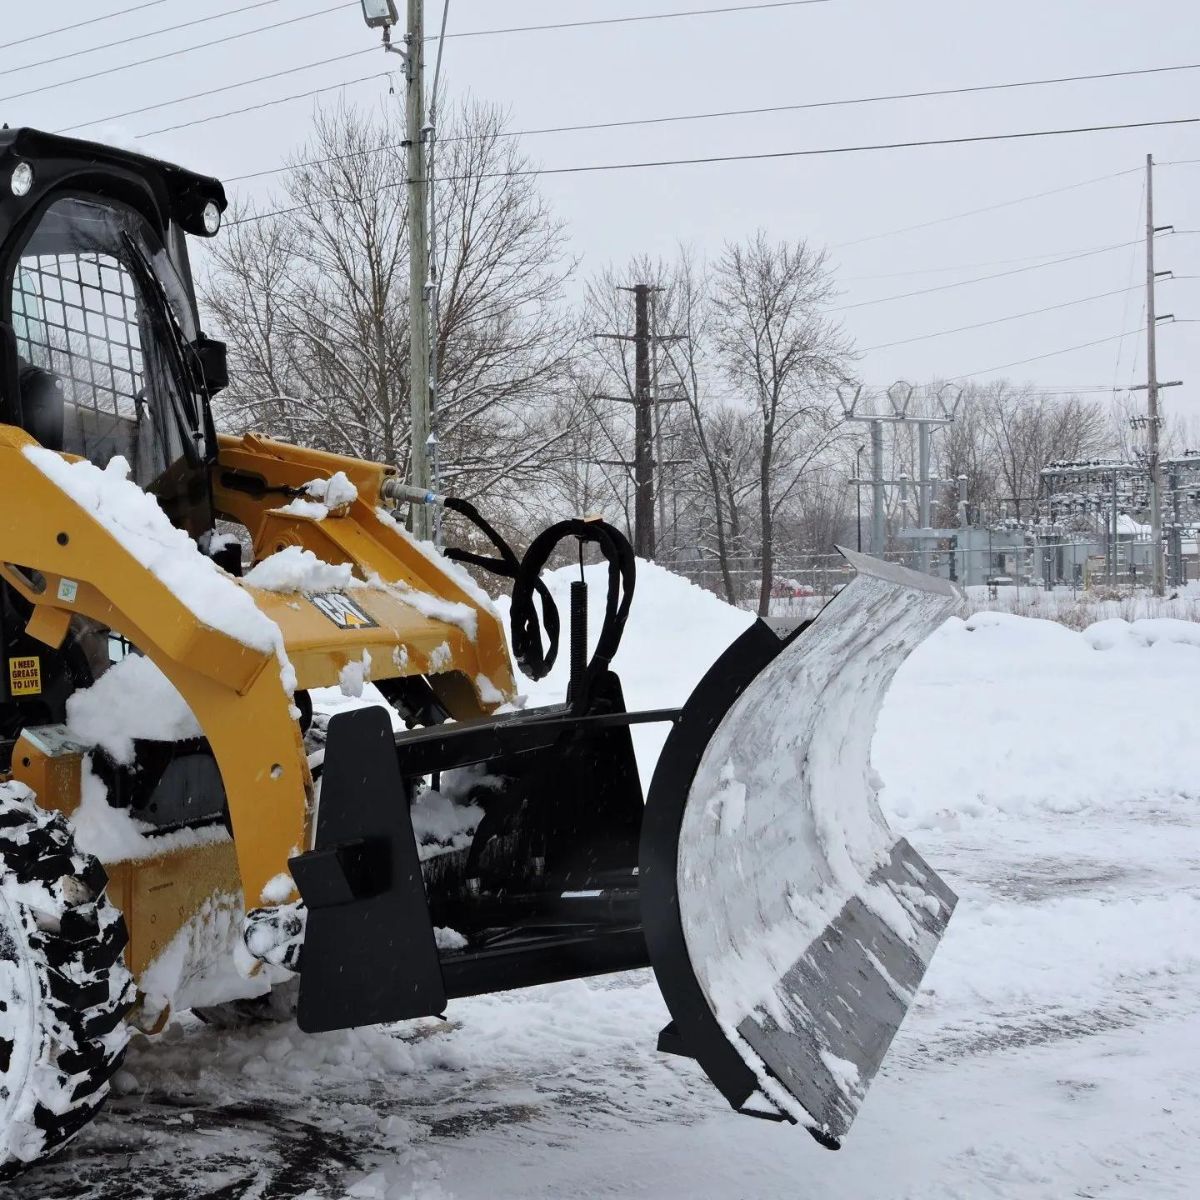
{"x": 661, "y": 528}
{"x": 645, "y": 400}
{"x": 1156, "y": 554}
{"x": 1152, "y": 387}
{"x": 418, "y": 263}
{"x": 644, "y": 538}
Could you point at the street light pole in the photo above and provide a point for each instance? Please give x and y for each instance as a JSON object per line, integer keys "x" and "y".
{"x": 382, "y": 14}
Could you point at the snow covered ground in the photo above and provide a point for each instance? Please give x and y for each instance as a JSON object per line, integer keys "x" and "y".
{"x": 1052, "y": 776}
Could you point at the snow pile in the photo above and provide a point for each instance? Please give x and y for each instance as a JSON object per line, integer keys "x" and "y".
{"x": 132, "y": 699}
{"x": 1009, "y": 714}
{"x": 998, "y": 713}
{"x": 675, "y": 632}
{"x": 1166, "y": 632}
{"x": 294, "y": 569}
{"x": 329, "y": 701}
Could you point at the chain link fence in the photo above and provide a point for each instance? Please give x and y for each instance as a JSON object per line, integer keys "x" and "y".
{"x": 1003, "y": 567}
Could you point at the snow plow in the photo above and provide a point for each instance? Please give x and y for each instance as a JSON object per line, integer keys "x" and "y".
{"x": 182, "y": 830}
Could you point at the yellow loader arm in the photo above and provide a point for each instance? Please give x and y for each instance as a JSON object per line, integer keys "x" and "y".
{"x": 67, "y": 563}
{"x": 250, "y": 481}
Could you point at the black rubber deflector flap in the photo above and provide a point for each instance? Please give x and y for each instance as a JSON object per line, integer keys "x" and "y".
{"x": 372, "y": 959}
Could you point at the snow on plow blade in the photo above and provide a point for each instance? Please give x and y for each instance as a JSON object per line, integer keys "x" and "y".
{"x": 788, "y": 927}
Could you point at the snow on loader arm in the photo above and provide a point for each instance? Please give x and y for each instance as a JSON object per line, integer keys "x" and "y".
{"x": 787, "y": 925}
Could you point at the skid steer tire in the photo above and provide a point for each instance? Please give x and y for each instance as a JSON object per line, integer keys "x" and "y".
{"x": 64, "y": 988}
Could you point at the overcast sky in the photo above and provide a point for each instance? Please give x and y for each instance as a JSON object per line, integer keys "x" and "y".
{"x": 834, "y": 50}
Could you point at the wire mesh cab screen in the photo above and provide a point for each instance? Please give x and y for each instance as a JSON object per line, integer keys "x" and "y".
{"x": 79, "y": 313}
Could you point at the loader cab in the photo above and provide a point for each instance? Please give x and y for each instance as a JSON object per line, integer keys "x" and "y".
{"x": 101, "y": 353}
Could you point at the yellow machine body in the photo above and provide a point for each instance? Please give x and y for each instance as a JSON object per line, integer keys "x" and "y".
{"x": 234, "y": 691}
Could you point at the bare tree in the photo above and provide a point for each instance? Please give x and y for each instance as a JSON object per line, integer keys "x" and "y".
{"x": 313, "y": 299}
{"x": 710, "y": 449}
{"x": 786, "y": 358}
{"x": 1028, "y": 429}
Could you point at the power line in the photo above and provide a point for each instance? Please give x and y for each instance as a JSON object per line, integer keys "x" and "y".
{"x": 237, "y": 112}
{"x": 1052, "y": 354}
{"x": 141, "y": 62}
{"x": 1033, "y": 312}
{"x": 141, "y": 37}
{"x": 974, "y": 212}
{"x": 592, "y": 168}
{"x": 322, "y": 12}
{"x": 975, "y": 266}
{"x": 37, "y": 37}
{"x": 665, "y": 16}
{"x": 1040, "y": 389}
{"x": 229, "y": 87}
{"x": 336, "y": 86}
{"x": 853, "y": 100}
{"x": 1132, "y": 276}
{"x": 767, "y": 110}
{"x": 944, "y": 287}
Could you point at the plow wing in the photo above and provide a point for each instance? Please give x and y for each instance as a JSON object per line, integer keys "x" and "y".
{"x": 787, "y": 925}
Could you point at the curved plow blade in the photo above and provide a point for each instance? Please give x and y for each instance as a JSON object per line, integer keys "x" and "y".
{"x": 788, "y": 926}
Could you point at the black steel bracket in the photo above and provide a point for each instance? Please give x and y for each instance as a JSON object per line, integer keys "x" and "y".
{"x": 369, "y": 951}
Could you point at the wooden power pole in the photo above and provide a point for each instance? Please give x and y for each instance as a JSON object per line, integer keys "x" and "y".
{"x": 644, "y": 539}
{"x": 645, "y": 401}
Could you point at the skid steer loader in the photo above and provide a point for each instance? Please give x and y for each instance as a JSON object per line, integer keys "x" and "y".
{"x": 178, "y": 829}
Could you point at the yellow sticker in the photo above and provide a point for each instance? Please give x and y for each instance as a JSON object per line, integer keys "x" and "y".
{"x": 25, "y": 676}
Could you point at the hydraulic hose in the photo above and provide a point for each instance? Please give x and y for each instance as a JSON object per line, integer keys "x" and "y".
{"x": 535, "y": 657}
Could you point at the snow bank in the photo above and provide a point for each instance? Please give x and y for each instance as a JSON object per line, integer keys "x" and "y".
{"x": 675, "y": 632}
{"x": 132, "y": 699}
{"x": 1141, "y": 634}
{"x": 1012, "y": 715}
{"x": 964, "y": 729}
